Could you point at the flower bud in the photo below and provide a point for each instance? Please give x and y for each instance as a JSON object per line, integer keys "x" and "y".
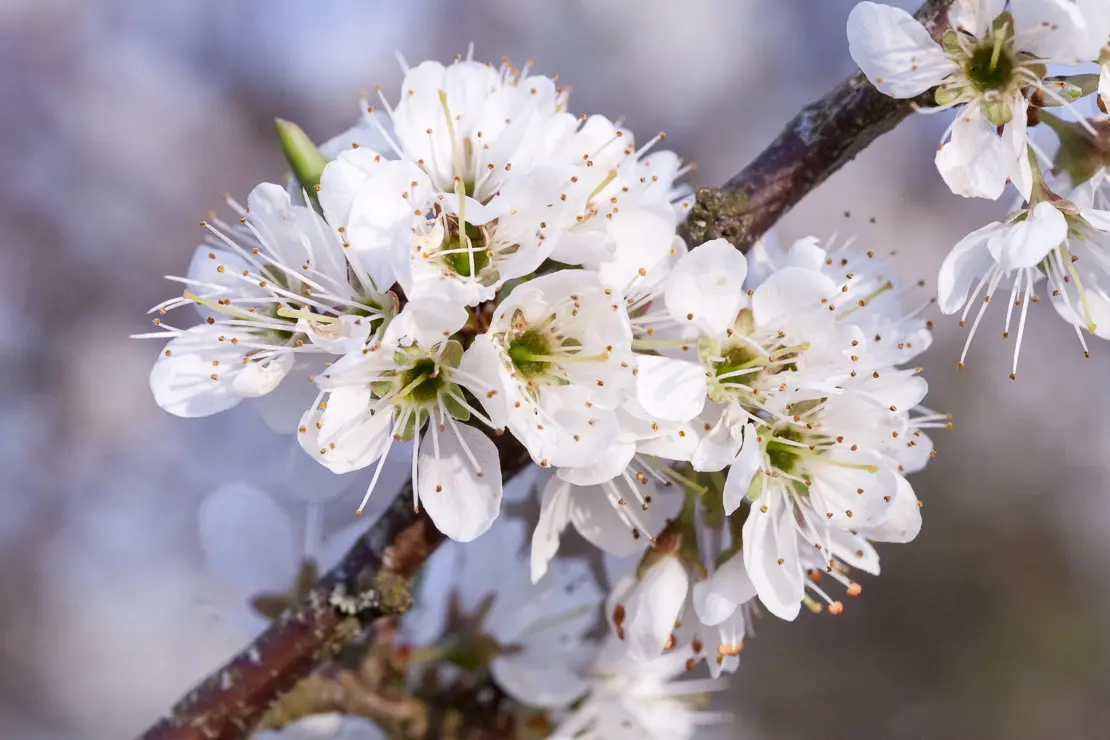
{"x": 304, "y": 158}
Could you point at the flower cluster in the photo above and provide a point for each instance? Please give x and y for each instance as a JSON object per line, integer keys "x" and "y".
{"x": 992, "y": 66}
{"x": 474, "y": 264}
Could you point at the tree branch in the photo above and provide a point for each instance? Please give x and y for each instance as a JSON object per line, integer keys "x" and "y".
{"x": 371, "y": 580}
{"x": 821, "y": 139}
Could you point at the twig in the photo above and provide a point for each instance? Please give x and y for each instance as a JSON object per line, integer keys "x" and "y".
{"x": 817, "y": 142}
{"x": 371, "y": 580}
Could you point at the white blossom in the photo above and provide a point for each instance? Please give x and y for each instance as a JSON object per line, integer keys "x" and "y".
{"x": 816, "y": 422}
{"x": 555, "y": 365}
{"x": 631, "y": 699}
{"x": 1060, "y": 240}
{"x": 477, "y": 602}
{"x": 621, "y": 501}
{"x": 461, "y": 202}
{"x": 391, "y": 391}
{"x": 270, "y": 289}
{"x": 251, "y": 542}
{"x": 984, "y": 64}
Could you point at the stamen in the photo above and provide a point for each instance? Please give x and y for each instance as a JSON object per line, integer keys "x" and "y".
{"x": 377, "y": 474}
{"x": 220, "y": 308}
{"x": 456, "y": 151}
{"x": 289, "y": 313}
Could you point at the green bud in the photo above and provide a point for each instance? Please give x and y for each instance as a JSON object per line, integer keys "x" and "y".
{"x": 1069, "y": 89}
{"x": 304, "y": 158}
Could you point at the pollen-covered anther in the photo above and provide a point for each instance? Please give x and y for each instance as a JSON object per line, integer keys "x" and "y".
{"x": 618, "y": 620}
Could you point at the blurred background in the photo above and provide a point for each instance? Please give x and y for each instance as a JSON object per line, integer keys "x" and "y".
{"x": 122, "y": 123}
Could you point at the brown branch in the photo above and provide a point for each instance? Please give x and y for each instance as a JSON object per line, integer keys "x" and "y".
{"x": 371, "y": 580}
{"x": 822, "y": 138}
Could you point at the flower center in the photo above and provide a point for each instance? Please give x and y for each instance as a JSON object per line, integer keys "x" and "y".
{"x": 422, "y": 383}
{"x": 783, "y": 455}
{"x": 738, "y": 359}
{"x": 524, "y": 350}
{"x": 990, "y": 67}
{"x": 466, "y": 256}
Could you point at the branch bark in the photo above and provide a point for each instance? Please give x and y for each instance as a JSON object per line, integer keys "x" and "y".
{"x": 817, "y": 142}
{"x": 369, "y": 583}
{"x": 371, "y": 580}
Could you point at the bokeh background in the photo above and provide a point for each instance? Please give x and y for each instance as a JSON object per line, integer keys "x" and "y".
{"x": 123, "y": 122}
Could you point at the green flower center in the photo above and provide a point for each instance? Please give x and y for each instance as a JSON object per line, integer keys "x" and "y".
{"x": 475, "y": 254}
{"x": 422, "y": 386}
{"x": 783, "y": 456}
{"x": 740, "y": 357}
{"x": 524, "y": 350}
{"x": 988, "y": 70}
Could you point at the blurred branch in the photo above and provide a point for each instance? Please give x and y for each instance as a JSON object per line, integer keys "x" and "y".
{"x": 817, "y": 142}
{"x": 371, "y": 580}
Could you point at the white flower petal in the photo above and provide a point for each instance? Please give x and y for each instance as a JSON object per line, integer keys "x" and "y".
{"x": 330, "y": 726}
{"x": 462, "y": 499}
{"x": 895, "y": 51}
{"x": 968, "y": 261}
{"x": 184, "y": 380}
{"x": 1053, "y": 29}
{"x": 854, "y": 551}
{"x": 653, "y": 607}
{"x": 1098, "y": 219}
{"x": 670, "y": 389}
{"x": 771, "y": 556}
{"x": 976, "y": 162}
{"x": 975, "y": 16}
{"x": 345, "y": 436}
{"x": 537, "y": 681}
{"x": 341, "y": 179}
{"x": 555, "y": 509}
{"x": 789, "y": 293}
{"x": 744, "y": 468}
{"x": 835, "y": 490}
{"x": 617, "y": 457}
{"x": 594, "y": 515}
{"x": 717, "y": 597}
{"x": 259, "y": 378}
{"x": 1026, "y": 243}
{"x": 571, "y": 434}
{"x": 903, "y": 520}
{"x": 706, "y": 287}
{"x": 247, "y": 538}
{"x": 642, "y": 238}
{"x": 426, "y": 322}
{"x": 716, "y": 449}
{"x": 482, "y": 366}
